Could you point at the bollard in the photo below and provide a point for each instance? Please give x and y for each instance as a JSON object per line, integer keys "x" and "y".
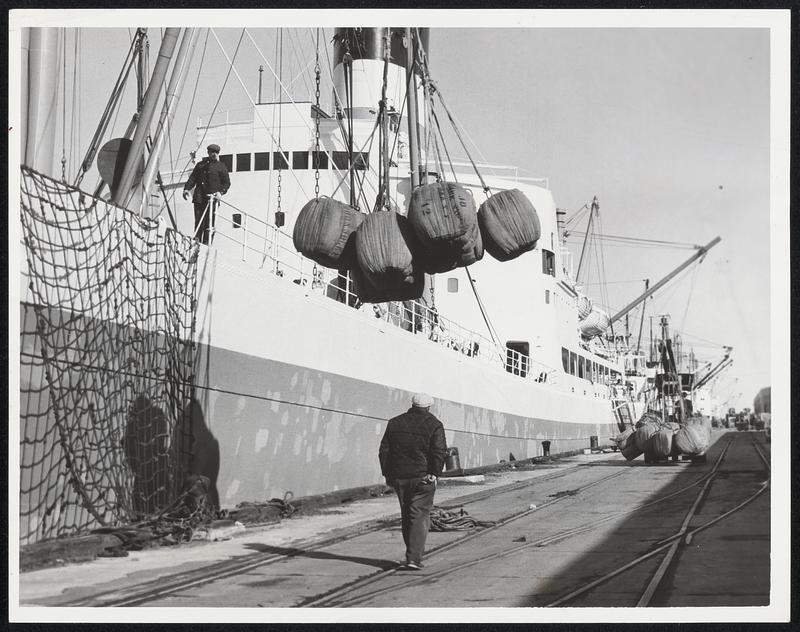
{"x": 593, "y": 442}
{"x": 545, "y": 448}
{"x": 452, "y": 461}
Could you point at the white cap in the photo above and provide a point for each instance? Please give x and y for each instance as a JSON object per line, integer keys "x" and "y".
{"x": 421, "y": 400}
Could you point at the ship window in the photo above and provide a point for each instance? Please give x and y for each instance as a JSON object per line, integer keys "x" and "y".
{"x": 279, "y": 160}
{"x": 547, "y": 296}
{"x": 261, "y": 161}
{"x": 452, "y": 284}
{"x": 581, "y": 367}
{"x": 548, "y": 262}
{"x": 565, "y": 359}
{"x": 361, "y": 160}
{"x": 242, "y": 162}
{"x": 573, "y": 363}
{"x": 517, "y": 357}
{"x": 227, "y": 160}
{"x": 300, "y": 160}
{"x": 340, "y": 160}
{"x": 319, "y": 160}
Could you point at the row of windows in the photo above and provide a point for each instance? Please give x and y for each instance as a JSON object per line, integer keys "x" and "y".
{"x": 276, "y": 160}
{"x": 586, "y": 369}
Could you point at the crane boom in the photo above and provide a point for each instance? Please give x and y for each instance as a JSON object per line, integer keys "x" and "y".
{"x": 700, "y": 253}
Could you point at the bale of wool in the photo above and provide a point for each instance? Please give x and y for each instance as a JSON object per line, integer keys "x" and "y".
{"x": 622, "y": 437}
{"x": 384, "y": 247}
{"x": 325, "y": 231}
{"x": 369, "y": 293}
{"x": 642, "y": 435}
{"x": 660, "y": 444}
{"x": 509, "y": 225}
{"x": 649, "y": 417}
{"x": 629, "y": 449}
{"x": 445, "y": 223}
{"x": 691, "y": 440}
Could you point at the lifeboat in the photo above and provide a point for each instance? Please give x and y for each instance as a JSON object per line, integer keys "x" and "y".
{"x": 594, "y": 324}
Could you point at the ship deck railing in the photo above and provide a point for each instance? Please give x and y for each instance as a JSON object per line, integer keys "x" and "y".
{"x": 269, "y": 248}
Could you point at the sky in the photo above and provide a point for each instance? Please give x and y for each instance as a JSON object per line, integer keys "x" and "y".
{"x": 668, "y": 127}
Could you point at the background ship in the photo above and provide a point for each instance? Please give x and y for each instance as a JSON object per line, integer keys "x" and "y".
{"x": 147, "y": 357}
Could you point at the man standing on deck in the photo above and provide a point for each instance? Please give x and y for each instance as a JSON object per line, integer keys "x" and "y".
{"x": 412, "y": 454}
{"x": 209, "y": 177}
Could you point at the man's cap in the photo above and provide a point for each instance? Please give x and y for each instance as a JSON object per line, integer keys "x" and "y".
{"x": 684, "y": 393}
{"x": 421, "y": 400}
{"x": 213, "y": 147}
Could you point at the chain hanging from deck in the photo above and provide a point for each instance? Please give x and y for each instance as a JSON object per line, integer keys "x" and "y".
{"x": 106, "y": 362}
{"x": 317, "y": 157}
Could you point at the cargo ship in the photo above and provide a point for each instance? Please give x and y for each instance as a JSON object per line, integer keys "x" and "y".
{"x": 148, "y": 357}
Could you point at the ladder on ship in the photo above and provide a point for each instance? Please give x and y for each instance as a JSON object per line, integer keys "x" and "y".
{"x": 624, "y": 416}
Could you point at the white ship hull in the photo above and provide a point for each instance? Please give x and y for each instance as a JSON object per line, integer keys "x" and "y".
{"x": 293, "y": 389}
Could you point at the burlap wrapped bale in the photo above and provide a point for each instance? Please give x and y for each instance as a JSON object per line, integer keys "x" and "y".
{"x": 629, "y": 449}
{"x": 649, "y": 417}
{"x": 691, "y": 440}
{"x": 643, "y": 434}
{"x": 660, "y": 444}
{"x": 445, "y": 223}
{"x": 325, "y": 232}
{"x": 509, "y": 225}
{"x": 385, "y": 245}
{"x": 368, "y": 293}
{"x": 622, "y": 437}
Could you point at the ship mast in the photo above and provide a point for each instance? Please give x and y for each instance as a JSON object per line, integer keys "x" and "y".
{"x": 41, "y": 48}
{"x": 123, "y": 194}
{"x": 413, "y": 130}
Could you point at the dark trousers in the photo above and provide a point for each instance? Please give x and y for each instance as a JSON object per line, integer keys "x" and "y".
{"x": 204, "y": 215}
{"x": 416, "y": 501}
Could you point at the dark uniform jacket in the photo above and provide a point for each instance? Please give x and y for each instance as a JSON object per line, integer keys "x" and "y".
{"x": 413, "y": 445}
{"x": 208, "y": 177}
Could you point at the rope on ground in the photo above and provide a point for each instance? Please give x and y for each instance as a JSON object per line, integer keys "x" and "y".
{"x": 443, "y": 520}
{"x": 263, "y": 512}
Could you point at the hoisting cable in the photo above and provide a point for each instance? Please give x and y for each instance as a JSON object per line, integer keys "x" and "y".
{"x": 278, "y": 211}
{"x": 640, "y": 241}
{"x": 194, "y": 96}
{"x": 77, "y": 78}
{"x": 64, "y": 110}
{"x": 487, "y": 191}
{"x": 486, "y": 188}
{"x": 689, "y": 298}
{"x": 489, "y": 327}
{"x": 113, "y": 101}
{"x": 381, "y": 200}
{"x": 224, "y": 83}
{"x": 317, "y": 74}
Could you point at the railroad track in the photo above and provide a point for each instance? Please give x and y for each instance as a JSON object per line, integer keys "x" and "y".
{"x": 366, "y": 590}
{"x": 142, "y": 594}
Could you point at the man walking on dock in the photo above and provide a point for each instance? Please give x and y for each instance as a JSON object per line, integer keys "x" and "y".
{"x": 209, "y": 178}
{"x": 412, "y": 454}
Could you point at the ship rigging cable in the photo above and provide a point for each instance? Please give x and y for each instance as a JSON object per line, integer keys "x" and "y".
{"x": 633, "y": 241}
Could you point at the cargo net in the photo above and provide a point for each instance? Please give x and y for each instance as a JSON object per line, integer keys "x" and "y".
{"x": 106, "y": 363}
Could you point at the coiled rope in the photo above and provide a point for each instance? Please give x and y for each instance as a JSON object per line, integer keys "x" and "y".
{"x": 443, "y": 520}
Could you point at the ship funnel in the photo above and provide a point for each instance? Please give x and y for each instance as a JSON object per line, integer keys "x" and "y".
{"x": 367, "y": 48}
